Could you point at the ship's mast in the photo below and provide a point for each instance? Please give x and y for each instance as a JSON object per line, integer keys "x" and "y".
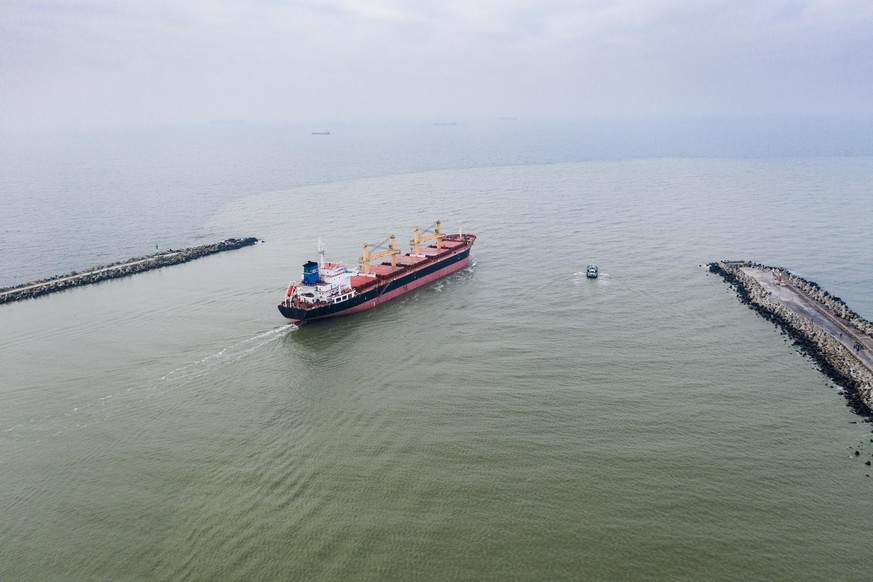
{"x": 320, "y": 253}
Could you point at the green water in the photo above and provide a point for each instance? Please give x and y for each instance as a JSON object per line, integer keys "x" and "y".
{"x": 513, "y": 421}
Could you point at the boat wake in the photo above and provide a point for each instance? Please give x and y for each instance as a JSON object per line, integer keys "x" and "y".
{"x": 581, "y": 277}
{"x": 227, "y": 355}
{"x": 108, "y": 405}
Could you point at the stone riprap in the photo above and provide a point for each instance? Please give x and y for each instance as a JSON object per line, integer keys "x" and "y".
{"x": 120, "y": 269}
{"x": 839, "y": 340}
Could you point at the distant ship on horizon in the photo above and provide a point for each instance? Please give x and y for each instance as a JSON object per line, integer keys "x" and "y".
{"x": 320, "y": 133}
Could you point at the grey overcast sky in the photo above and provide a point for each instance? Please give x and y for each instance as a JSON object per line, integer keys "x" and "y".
{"x": 84, "y": 63}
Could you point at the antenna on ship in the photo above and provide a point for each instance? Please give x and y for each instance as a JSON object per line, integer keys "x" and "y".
{"x": 320, "y": 253}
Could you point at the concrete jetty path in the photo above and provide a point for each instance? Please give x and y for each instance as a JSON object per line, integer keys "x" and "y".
{"x": 123, "y": 269}
{"x": 795, "y": 299}
{"x": 837, "y": 338}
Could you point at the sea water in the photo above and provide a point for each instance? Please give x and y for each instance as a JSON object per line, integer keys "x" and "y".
{"x": 515, "y": 420}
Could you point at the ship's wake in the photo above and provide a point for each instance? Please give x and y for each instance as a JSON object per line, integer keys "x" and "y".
{"x": 107, "y": 405}
{"x": 581, "y": 277}
{"x": 464, "y": 273}
{"x": 227, "y": 355}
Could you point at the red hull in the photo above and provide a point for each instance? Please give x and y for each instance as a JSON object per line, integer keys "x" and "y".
{"x": 406, "y": 288}
{"x": 383, "y": 282}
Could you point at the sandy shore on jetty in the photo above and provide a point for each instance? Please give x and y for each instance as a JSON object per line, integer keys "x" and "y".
{"x": 823, "y": 326}
{"x": 122, "y": 269}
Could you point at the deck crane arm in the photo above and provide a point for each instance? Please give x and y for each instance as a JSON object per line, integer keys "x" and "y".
{"x": 415, "y": 243}
{"x": 367, "y": 256}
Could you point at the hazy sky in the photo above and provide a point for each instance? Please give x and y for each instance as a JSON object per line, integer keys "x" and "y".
{"x": 108, "y": 62}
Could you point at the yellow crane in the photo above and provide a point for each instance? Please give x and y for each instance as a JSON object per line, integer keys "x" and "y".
{"x": 364, "y": 261}
{"x": 415, "y": 243}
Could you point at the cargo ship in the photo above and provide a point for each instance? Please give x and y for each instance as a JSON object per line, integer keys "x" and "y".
{"x": 332, "y": 289}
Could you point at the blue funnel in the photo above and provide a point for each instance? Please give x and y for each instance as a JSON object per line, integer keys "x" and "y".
{"x": 310, "y": 273}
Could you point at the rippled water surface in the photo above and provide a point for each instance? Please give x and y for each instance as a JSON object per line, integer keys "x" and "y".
{"x": 513, "y": 421}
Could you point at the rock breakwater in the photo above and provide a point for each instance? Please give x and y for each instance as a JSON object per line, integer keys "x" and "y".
{"x": 121, "y": 269}
{"x": 822, "y": 326}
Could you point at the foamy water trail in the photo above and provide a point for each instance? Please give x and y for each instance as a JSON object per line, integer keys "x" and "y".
{"x": 107, "y": 405}
{"x": 226, "y": 355}
{"x": 580, "y": 277}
